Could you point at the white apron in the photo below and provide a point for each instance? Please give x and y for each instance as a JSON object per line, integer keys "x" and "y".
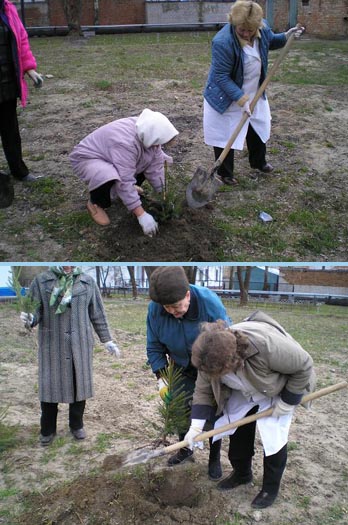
{"x": 218, "y": 127}
{"x": 274, "y": 431}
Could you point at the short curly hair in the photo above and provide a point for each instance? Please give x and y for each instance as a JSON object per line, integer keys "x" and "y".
{"x": 219, "y": 349}
{"x": 246, "y": 13}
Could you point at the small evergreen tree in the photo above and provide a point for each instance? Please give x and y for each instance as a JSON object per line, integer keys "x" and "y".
{"x": 164, "y": 205}
{"x": 173, "y": 410}
{"x": 25, "y": 302}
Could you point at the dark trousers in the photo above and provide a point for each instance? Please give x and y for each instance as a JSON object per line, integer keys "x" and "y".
{"x": 241, "y": 451}
{"x": 49, "y": 413}
{"x": 257, "y": 154}
{"x": 11, "y": 139}
{"x": 101, "y": 195}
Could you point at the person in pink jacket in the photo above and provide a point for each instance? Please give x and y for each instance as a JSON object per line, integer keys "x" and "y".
{"x": 115, "y": 159}
{"x": 16, "y": 60}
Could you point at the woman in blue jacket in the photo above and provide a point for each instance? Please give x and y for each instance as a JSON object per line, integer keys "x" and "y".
{"x": 238, "y": 67}
{"x": 174, "y": 317}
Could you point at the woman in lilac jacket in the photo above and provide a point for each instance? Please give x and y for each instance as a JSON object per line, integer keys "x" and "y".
{"x": 16, "y": 59}
{"x": 115, "y": 159}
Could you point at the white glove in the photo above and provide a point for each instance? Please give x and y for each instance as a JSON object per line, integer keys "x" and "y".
{"x": 27, "y": 319}
{"x": 194, "y": 431}
{"x": 246, "y": 108}
{"x": 35, "y": 77}
{"x": 282, "y": 409}
{"x": 148, "y": 224}
{"x": 298, "y": 30}
{"x": 112, "y": 348}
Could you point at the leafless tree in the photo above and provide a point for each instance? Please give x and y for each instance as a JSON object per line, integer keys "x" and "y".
{"x": 265, "y": 280}
{"x": 133, "y": 281}
{"x": 244, "y": 283}
{"x": 230, "y": 279}
{"x": 191, "y": 272}
{"x": 72, "y": 11}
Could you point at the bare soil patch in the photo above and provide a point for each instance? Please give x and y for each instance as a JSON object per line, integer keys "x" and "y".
{"x": 74, "y": 483}
{"x": 308, "y": 149}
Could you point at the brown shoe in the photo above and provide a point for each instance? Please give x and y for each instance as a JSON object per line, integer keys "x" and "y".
{"x": 98, "y": 214}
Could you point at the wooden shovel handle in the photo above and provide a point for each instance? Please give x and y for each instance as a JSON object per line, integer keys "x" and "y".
{"x": 259, "y": 93}
{"x": 254, "y": 417}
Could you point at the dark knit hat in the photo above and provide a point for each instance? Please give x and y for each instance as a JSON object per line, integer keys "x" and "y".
{"x": 168, "y": 284}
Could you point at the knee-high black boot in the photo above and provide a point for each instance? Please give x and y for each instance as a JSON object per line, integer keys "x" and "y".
{"x": 273, "y": 468}
{"x": 214, "y": 466}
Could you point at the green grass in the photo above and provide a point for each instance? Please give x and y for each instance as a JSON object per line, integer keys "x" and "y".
{"x": 8, "y": 434}
{"x": 161, "y": 70}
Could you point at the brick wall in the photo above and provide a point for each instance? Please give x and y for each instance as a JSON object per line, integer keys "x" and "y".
{"x": 325, "y": 18}
{"x": 121, "y": 12}
{"x": 308, "y": 277}
{"x": 187, "y": 12}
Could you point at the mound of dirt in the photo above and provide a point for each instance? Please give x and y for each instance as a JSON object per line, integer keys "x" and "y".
{"x": 138, "y": 497}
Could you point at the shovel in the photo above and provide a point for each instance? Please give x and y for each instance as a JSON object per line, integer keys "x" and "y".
{"x": 203, "y": 185}
{"x": 144, "y": 455}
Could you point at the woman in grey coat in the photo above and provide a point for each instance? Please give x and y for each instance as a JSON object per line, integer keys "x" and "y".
{"x": 244, "y": 369}
{"x": 68, "y": 305}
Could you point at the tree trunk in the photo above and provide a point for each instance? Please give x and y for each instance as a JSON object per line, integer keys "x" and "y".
{"x": 104, "y": 272}
{"x": 72, "y": 11}
{"x": 133, "y": 281}
{"x": 191, "y": 272}
{"x": 265, "y": 280}
{"x": 230, "y": 280}
{"x": 244, "y": 284}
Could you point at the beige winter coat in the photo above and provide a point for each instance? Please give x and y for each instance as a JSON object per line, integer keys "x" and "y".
{"x": 275, "y": 364}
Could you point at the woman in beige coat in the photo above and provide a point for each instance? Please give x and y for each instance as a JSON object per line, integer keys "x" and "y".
{"x": 243, "y": 369}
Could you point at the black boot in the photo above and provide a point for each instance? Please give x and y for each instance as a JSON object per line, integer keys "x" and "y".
{"x": 184, "y": 454}
{"x": 241, "y": 475}
{"x": 273, "y": 468}
{"x": 214, "y": 466}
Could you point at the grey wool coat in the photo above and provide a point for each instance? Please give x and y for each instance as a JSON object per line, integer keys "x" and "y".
{"x": 66, "y": 340}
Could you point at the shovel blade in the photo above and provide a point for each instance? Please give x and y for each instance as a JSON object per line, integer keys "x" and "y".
{"x": 141, "y": 456}
{"x": 202, "y": 188}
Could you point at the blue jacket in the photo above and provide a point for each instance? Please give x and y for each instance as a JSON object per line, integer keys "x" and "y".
{"x": 168, "y": 336}
{"x": 225, "y": 78}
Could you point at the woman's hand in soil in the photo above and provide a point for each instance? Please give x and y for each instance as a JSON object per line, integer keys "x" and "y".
{"x": 148, "y": 224}
{"x": 195, "y": 429}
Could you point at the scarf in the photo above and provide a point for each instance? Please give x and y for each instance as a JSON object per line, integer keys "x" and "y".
{"x": 62, "y": 291}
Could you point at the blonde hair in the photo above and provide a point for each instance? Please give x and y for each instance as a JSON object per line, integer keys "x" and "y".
{"x": 219, "y": 349}
{"x": 246, "y": 13}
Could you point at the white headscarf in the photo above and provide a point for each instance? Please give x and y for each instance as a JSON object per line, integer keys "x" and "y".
{"x": 153, "y": 128}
